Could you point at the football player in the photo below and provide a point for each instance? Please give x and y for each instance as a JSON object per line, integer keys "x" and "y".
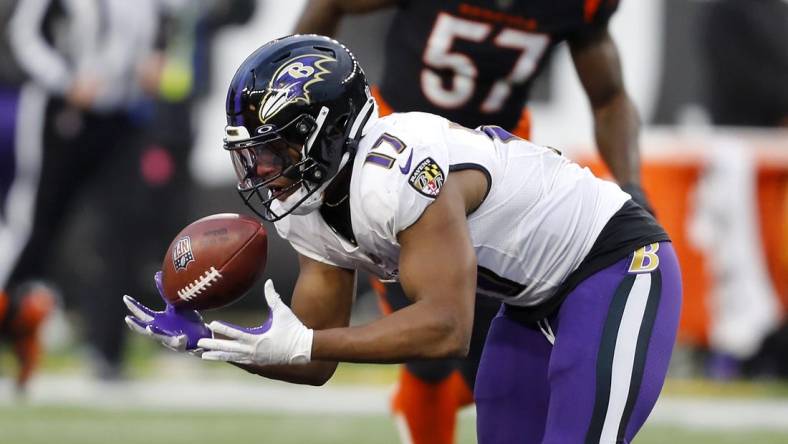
{"x": 589, "y": 281}
{"x": 474, "y": 62}
{"x": 79, "y": 66}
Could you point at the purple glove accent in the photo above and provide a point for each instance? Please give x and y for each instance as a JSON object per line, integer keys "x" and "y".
{"x": 172, "y": 321}
{"x": 160, "y": 285}
{"x": 260, "y": 329}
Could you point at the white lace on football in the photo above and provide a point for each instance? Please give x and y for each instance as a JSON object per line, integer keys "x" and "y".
{"x": 196, "y": 287}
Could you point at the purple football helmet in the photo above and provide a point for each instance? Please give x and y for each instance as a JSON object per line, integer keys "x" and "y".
{"x": 301, "y": 93}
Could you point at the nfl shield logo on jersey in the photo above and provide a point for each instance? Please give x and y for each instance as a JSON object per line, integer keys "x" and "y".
{"x": 182, "y": 253}
{"x": 427, "y": 178}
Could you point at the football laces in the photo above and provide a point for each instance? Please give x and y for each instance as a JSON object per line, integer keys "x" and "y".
{"x": 199, "y": 285}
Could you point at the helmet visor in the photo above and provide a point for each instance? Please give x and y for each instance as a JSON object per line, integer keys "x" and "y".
{"x": 269, "y": 153}
{"x": 261, "y": 163}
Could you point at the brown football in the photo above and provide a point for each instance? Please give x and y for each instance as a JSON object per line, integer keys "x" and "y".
{"x": 214, "y": 261}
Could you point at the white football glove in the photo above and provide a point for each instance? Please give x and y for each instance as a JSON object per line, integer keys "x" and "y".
{"x": 282, "y": 339}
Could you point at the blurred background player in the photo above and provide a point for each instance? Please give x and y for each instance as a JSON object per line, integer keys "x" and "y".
{"x": 80, "y": 62}
{"x": 736, "y": 94}
{"x": 175, "y": 76}
{"x": 19, "y": 317}
{"x": 475, "y": 62}
{"x": 725, "y": 225}
{"x": 138, "y": 141}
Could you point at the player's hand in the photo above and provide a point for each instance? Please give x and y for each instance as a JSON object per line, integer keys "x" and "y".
{"x": 83, "y": 92}
{"x": 639, "y": 196}
{"x": 175, "y": 328}
{"x": 282, "y": 339}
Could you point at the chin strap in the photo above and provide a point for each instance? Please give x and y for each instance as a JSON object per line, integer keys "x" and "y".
{"x": 359, "y": 126}
{"x": 319, "y": 121}
{"x": 299, "y": 204}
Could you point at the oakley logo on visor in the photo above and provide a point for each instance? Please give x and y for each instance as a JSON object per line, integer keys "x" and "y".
{"x": 265, "y": 129}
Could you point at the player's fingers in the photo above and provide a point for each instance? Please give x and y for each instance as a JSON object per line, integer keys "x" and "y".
{"x": 229, "y": 330}
{"x": 140, "y": 311}
{"x": 136, "y": 325}
{"x": 196, "y": 352}
{"x": 159, "y": 285}
{"x": 166, "y": 342}
{"x": 223, "y": 345}
{"x": 271, "y": 296}
{"x": 226, "y": 357}
{"x": 178, "y": 342}
{"x": 149, "y": 332}
{"x": 174, "y": 342}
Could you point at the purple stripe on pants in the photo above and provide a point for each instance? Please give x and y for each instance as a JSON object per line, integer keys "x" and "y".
{"x": 614, "y": 335}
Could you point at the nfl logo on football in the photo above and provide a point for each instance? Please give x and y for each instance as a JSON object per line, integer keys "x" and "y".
{"x": 182, "y": 253}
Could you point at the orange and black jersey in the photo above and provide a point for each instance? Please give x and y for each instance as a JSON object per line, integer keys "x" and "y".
{"x": 474, "y": 61}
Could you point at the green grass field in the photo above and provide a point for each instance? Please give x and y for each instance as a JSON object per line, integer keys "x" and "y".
{"x": 44, "y": 423}
{"x": 48, "y": 425}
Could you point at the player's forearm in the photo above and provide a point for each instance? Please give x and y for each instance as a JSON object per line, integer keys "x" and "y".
{"x": 323, "y": 16}
{"x": 617, "y": 127}
{"x": 431, "y": 331}
{"x": 314, "y": 373}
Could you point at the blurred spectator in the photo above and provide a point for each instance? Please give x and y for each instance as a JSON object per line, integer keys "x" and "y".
{"x": 154, "y": 165}
{"x": 743, "y": 308}
{"x": 19, "y": 317}
{"x": 743, "y": 47}
{"x": 11, "y": 79}
{"x": 81, "y": 61}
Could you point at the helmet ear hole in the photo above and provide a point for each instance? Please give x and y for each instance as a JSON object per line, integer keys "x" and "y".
{"x": 304, "y": 127}
{"x": 316, "y": 174}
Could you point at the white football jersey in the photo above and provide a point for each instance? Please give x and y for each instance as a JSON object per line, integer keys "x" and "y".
{"x": 538, "y": 221}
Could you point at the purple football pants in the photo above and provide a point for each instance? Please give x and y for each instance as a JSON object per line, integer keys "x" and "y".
{"x": 613, "y": 337}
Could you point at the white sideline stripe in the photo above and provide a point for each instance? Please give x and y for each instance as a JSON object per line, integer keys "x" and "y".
{"x": 707, "y": 413}
{"x": 264, "y": 396}
{"x": 208, "y": 394}
{"x": 624, "y": 355}
{"x": 402, "y": 429}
